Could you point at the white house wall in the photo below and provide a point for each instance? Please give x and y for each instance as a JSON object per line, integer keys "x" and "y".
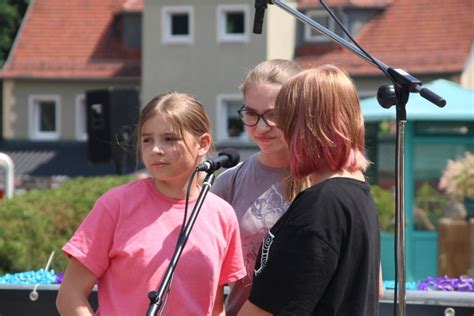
{"x": 205, "y": 68}
{"x": 16, "y": 103}
{"x": 281, "y": 32}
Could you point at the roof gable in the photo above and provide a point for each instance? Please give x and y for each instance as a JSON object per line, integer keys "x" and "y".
{"x": 73, "y": 39}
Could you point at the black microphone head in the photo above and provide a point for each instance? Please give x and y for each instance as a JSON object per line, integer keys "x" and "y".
{"x": 234, "y": 157}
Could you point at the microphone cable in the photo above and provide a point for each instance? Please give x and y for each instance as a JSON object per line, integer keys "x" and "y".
{"x": 183, "y": 225}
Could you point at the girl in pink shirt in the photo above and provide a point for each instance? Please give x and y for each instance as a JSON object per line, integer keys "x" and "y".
{"x": 126, "y": 242}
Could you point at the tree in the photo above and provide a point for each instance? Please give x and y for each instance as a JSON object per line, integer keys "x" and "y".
{"x": 11, "y": 15}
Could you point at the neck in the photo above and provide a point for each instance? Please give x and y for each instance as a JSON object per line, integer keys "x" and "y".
{"x": 325, "y": 174}
{"x": 176, "y": 191}
{"x": 274, "y": 160}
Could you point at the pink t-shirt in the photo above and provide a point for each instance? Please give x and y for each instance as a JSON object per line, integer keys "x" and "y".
{"x": 129, "y": 237}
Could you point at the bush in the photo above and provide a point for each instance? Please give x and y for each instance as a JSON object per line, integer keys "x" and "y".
{"x": 34, "y": 224}
{"x": 431, "y": 204}
{"x": 385, "y": 205}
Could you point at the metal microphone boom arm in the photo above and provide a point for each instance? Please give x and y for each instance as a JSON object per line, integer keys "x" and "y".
{"x": 397, "y": 76}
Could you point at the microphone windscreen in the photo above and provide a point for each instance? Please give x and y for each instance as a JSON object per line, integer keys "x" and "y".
{"x": 234, "y": 157}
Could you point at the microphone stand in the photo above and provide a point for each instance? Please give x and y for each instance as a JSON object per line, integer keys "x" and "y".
{"x": 403, "y": 84}
{"x": 156, "y": 297}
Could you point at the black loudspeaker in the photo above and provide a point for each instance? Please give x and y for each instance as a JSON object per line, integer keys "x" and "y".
{"x": 112, "y": 115}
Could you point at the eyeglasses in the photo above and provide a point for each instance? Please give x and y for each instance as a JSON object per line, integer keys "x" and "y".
{"x": 251, "y": 118}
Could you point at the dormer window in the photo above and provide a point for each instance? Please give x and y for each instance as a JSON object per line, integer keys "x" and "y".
{"x": 133, "y": 30}
{"x": 323, "y": 18}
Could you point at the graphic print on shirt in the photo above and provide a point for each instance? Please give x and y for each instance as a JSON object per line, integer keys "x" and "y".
{"x": 257, "y": 221}
{"x": 267, "y": 243}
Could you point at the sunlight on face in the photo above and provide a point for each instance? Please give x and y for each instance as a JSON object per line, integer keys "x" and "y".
{"x": 167, "y": 155}
{"x": 260, "y": 98}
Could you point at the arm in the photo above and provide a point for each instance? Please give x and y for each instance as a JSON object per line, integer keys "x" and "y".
{"x": 75, "y": 289}
{"x": 250, "y": 309}
{"x": 381, "y": 288}
{"x": 218, "y": 309}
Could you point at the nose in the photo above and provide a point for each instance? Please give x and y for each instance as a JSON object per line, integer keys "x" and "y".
{"x": 262, "y": 126}
{"x": 157, "y": 149}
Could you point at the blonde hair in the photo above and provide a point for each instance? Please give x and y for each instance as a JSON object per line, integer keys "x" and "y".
{"x": 274, "y": 71}
{"x": 319, "y": 113}
{"x": 277, "y": 72}
{"x": 184, "y": 112}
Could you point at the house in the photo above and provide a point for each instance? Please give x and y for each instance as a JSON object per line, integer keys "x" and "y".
{"x": 430, "y": 40}
{"x": 62, "y": 50}
{"x": 66, "y": 48}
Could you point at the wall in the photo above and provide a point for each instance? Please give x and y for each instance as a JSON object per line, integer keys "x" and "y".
{"x": 205, "y": 68}
{"x": 15, "y": 107}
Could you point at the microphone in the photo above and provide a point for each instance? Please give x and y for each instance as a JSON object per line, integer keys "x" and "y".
{"x": 227, "y": 158}
{"x": 260, "y": 6}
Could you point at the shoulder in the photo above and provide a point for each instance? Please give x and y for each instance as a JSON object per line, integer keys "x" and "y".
{"x": 220, "y": 209}
{"x": 233, "y": 172}
{"x": 132, "y": 190}
{"x": 216, "y": 202}
{"x": 334, "y": 190}
{"x": 228, "y": 180}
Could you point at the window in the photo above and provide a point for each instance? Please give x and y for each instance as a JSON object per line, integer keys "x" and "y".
{"x": 177, "y": 24}
{"x": 229, "y": 126}
{"x": 323, "y": 18}
{"x": 80, "y": 118}
{"x": 232, "y": 23}
{"x": 133, "y": 30}
{"x": 44, "y": 112}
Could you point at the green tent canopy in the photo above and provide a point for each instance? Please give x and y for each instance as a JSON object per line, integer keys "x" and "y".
{"x": 459, "y": 105}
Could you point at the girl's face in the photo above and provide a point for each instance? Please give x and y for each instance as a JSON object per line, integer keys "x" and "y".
{"x": 169, "y": 157}
{"x": 260, "y": 98}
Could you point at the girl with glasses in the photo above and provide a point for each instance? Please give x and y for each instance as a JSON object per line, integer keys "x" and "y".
{"x": 322, "y": 256}
{"x": 260, "y": 188}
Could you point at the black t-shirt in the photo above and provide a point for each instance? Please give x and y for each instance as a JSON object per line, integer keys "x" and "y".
{"x": 322, "y": 257}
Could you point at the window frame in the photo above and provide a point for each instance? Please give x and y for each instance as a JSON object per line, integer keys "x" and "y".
{"x": 222, "y": 117}
{"x": 319, "y": 38}
{"x": 34, "y": 115}
{"x": 80, "y": 117}
{"x": 166, "y": 24}
{"x": 221, "y": 22}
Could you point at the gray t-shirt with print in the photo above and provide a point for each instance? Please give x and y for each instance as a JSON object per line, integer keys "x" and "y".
{"x": 256, "y": 193}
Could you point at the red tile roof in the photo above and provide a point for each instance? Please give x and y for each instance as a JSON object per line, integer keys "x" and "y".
{"x": 420, "y": 36}
{"x": 354, "y": 3}
{"x": 73, "y": 39}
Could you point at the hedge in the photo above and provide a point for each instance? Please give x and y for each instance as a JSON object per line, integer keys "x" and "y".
{"x": 35, "y": 223}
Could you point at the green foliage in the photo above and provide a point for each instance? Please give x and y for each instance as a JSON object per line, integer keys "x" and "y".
{"x": 431, "y": 202}
{"x": 385, "y": 205}
{"x": 38, "y": 222}
{"x": 11, "y": 14}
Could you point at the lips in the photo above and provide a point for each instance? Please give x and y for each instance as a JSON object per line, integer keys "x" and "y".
{"x": 264, "y": 139}
{"x": 158, "y": 164}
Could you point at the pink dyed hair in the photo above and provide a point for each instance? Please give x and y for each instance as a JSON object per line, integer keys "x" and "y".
{"x": 319, "y": 113}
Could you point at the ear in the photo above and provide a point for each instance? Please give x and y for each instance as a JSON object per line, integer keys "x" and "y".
{"x": 205, "y": 141}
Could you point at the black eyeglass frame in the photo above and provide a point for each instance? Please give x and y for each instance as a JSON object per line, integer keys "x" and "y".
{"x": 259, "y": 116}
